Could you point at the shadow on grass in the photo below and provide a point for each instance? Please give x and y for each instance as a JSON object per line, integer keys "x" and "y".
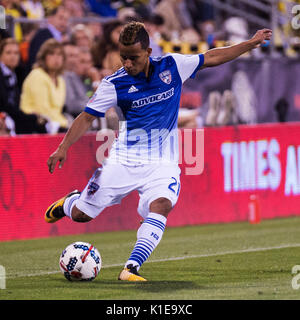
{"x": 166, "y": 286}
{"x": 148, "y": 286}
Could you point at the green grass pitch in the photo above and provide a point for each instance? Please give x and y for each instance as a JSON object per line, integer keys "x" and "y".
{"x": 224, "y": 261}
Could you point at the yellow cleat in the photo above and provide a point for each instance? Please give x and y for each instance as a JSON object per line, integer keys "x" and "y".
{"x": 56, "y": 212}
{"x": 130, "y": 274}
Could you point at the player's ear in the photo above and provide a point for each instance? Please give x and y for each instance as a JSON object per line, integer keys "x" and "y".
{"x": 149, "y": 51}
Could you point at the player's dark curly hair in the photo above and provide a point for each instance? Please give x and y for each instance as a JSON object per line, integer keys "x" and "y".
{"x": 134, "y": 32}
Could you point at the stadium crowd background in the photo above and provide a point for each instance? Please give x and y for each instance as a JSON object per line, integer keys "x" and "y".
{"x": 54, "y": 53}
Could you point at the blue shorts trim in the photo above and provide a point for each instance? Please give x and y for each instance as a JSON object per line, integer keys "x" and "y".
{"x": 94, "y": 112}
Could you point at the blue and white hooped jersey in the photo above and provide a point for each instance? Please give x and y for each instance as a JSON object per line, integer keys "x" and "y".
{"x": 148, "y": 106}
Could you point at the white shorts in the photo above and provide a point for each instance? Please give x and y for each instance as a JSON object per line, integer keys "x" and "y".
{"x": 111, "y": 183}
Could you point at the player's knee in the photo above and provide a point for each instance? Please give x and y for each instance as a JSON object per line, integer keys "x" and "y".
{"x": 79, "y": 216}
{"x": 161, "y": 205}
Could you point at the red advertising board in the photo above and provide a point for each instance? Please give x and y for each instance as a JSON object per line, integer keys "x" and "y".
{"x": 261, "y": 160}
{"x": 241, "y": 161}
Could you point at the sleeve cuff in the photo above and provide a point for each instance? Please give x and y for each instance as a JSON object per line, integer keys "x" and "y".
{"x": 200, "y": 64}
{"x": 94, "y": 112}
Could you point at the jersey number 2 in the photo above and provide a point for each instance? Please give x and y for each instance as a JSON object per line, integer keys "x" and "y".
{"x": 173, "y": 185}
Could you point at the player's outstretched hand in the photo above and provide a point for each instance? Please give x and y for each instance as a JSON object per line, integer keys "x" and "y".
{"x": 58, "y": 155}
{"x": 261, "y": 36}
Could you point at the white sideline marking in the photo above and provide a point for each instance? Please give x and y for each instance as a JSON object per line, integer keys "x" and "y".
{"x": 19, "y": 275}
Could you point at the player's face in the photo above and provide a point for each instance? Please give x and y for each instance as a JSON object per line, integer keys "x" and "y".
{"x": 134, "y": 58}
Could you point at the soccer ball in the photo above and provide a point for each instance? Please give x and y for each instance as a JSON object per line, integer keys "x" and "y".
{"x": 80, "y": 261}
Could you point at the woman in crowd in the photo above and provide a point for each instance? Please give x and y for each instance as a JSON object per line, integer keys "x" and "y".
{"x": 106, "y": 52}
{"x": 10, "y": 90}
{"x": 44, "y": 89}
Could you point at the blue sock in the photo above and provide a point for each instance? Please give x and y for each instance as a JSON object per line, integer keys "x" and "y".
{"x": 148, "y": 237}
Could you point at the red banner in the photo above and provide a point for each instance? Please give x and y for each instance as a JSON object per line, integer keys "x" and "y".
{"x": 239, "y": 162}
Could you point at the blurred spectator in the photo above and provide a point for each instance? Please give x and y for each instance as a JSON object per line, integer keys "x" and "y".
{"x": 82, "y": 36}
{"x": 101, "y": 7}
{"x": 128, "y": 14}
{"x": 154, "y": 25}
{"x": 88, "y": 73}
{"x": 57, "y": 24}
{"x": 44, "y": 89}
{"x": 209, "y": 33}
{"x": 106, "y": 58}
{"x": 201, "y": 13}
{"x": 236, "y": 29}
{"x": 95, "y": 28}
{"x": 176, "y": 17}
{"x": 75, "y": 8}
{"x": 33, "y": 8}
{"x": 187, "y": 118}
{"x": 77, "y": 92}
{"x": 49, "y": 5}
{"x": 72, "y": 56}
{"x": 29, "y": 30}
{"x": 221, "y": 109}
{"x": 106, "y": 52}
{"x": 282, "y": 108}
{"x": 10, "y": 90}
{"x": 111, "y": 60}
{"x": 13, "y": 8}
{"x": 4, "y": 130}
{"x": 245, "y": 97}
{"x": 3, "y": 34}
{"x": 136, "y": 4}
{"x": 82, "y": 79}
{"x": 190, "y": 36}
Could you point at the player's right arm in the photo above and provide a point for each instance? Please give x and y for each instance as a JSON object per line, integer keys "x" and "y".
{"x": 104, "y": 98}
{"x": 78, "y": 128}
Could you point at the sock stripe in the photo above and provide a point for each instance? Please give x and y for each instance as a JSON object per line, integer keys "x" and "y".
{"x": 151, "y": 220}
{"x": 155, "y": 223}
{"x": 73, "y": 198}
{"x": 137, "y": 259}
{"x": 148, "y": 237}
{"x": 142, "y": 250}
{"x": 144, "y": 246}
{"x": 141, "y": 253}
{"x": 150, "y": 243}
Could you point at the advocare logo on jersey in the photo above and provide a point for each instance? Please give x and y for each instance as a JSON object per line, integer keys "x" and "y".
{"x": 152, "y": 99}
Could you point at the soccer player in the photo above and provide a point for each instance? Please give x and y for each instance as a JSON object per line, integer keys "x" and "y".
{"x": 144, "y": 157}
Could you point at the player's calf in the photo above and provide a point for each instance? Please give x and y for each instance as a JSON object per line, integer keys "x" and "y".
{"x": 161, "y": 206}
{"x": 79, "y": 216}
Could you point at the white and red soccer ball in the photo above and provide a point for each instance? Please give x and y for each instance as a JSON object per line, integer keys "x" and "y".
{"x": 80, "y": 261}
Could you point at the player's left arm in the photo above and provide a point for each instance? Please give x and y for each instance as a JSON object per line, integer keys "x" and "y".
{"x": 217, "y": 56}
